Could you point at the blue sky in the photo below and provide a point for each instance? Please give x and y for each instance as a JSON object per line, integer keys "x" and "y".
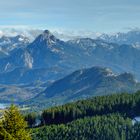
{"x": 89, "y": 15}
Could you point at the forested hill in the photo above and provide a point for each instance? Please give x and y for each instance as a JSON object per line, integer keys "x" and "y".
{"x": 125, "y": 104}
{"x": 112, "y": 127}
{"x": 105, "y": 117}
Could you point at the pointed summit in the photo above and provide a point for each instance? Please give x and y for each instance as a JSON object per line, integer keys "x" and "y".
{"x": 47, "y": 32}
{"x": 46, "y": 38}
{"x": 48, "y": 35}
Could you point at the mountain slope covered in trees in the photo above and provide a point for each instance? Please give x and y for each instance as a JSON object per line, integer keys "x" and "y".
{"x": 106, "y": 117}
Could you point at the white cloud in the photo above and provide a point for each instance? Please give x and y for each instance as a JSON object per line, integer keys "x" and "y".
{"x": 68, "y": 35}
{"x": 34, "y": 32}
{"x": 19, "y": 30}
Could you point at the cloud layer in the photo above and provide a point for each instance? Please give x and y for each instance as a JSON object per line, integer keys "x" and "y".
{"x": 32, "y": 33}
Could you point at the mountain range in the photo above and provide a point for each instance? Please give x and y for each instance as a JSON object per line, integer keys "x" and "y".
{"x": 132, "y": 37}
{"x": 8, "y": 44}
{"x": 48, "y": 59}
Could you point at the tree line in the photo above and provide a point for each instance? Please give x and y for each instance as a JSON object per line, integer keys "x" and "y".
{"x": 125, "y": 104}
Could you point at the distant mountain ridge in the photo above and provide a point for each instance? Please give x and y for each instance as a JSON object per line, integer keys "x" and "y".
{"x": 8, "y": 44}
{"x": 85, "y": 83}
{"x": 130, "y": 38}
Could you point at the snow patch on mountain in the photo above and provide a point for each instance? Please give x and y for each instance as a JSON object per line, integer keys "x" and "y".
{"x": 110, "y": 73}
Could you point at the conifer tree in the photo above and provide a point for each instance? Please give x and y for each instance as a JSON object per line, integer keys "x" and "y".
{"x": 14, "y": 125}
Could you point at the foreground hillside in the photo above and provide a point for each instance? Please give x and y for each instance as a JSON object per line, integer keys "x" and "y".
{"x": 107, "y": 117}
{"x": 112, "y": 127}
{"x": 112, "y": 117}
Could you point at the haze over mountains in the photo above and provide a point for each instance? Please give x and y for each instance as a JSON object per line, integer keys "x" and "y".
{"x": 48, "y": 59}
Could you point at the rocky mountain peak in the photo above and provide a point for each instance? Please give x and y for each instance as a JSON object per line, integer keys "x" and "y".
{"x": 48, "y": 36}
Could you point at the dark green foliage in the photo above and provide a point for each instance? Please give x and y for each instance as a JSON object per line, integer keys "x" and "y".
{"x": 99, "y": 118}
{"x": 126, "y": 104}
{"x": 111, "y": 127}
{"x": 135, "y": 131}
{"x": 31, "y": 119}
